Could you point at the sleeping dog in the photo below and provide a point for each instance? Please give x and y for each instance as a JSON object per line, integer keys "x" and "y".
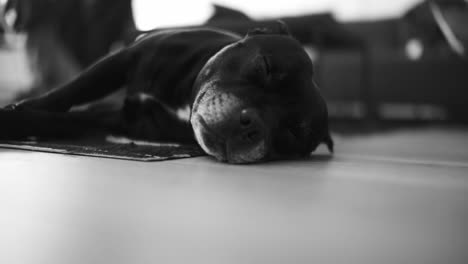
{"x": 246, "y": 99}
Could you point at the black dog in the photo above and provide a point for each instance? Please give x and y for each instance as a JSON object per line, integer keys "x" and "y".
{"x": 250, "y": 99}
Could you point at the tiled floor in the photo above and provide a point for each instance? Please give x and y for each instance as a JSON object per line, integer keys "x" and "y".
{"x": 394, "y": 197}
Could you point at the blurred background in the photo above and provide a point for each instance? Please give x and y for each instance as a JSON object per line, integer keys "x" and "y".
{"x": 376, "y": 61}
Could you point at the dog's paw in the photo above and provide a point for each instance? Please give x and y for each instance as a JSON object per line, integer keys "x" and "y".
{"x": 19, "y": 106}
{"x": 12, "y": 107}
{"x": 28, "y": 104}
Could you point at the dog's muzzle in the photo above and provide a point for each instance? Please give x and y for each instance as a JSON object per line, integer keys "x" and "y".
{"x": 228, "y": 130}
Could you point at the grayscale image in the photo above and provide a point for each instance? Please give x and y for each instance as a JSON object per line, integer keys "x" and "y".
{"x": 233, "y": 131}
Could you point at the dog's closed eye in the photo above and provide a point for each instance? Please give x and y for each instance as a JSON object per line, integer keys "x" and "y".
{"x": 267, "y": 65}
{"x": 296, "y": 131}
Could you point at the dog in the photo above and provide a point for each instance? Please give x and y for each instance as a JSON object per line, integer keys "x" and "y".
{"x": 65, "y": 37}
{"x": 246, "y": 99}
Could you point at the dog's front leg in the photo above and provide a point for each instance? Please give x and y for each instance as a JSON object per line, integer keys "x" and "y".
{"x": 104, "y": 77}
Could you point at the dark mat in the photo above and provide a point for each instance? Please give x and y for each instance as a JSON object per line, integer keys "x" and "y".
{"x": 111, "y": 147}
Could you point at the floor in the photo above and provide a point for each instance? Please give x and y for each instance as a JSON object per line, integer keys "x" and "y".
{"x": 394, "y": 197}
{"x": 399, "y": 196}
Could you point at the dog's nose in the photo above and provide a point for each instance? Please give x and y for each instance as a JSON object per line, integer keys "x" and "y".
{"x": 247, "y": 117}
{"x": 247, "y": 144}
{"x": 240, "y": 138}
{"x": 250, "y": 129}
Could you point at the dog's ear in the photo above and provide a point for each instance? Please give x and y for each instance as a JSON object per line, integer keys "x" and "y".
{"x": 283, "y": 28}
{"x": 258, "y": 31}
{"x": 329, "y": 142}
{"x": 102, "y": 78}
{"x": 280, "y": 29}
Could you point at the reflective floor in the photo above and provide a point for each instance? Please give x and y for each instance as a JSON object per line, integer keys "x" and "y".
{"x": 394, "y": 197}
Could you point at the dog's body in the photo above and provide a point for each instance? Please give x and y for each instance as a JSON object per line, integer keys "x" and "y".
{"x": 250, "y": 99}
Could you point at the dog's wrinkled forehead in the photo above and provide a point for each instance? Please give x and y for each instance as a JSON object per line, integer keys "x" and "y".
{"x": 273, "y": 66}
{"x": 261, "y": 60}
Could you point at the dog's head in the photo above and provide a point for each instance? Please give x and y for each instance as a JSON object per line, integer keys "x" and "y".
{"x": 256, "y": 100}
